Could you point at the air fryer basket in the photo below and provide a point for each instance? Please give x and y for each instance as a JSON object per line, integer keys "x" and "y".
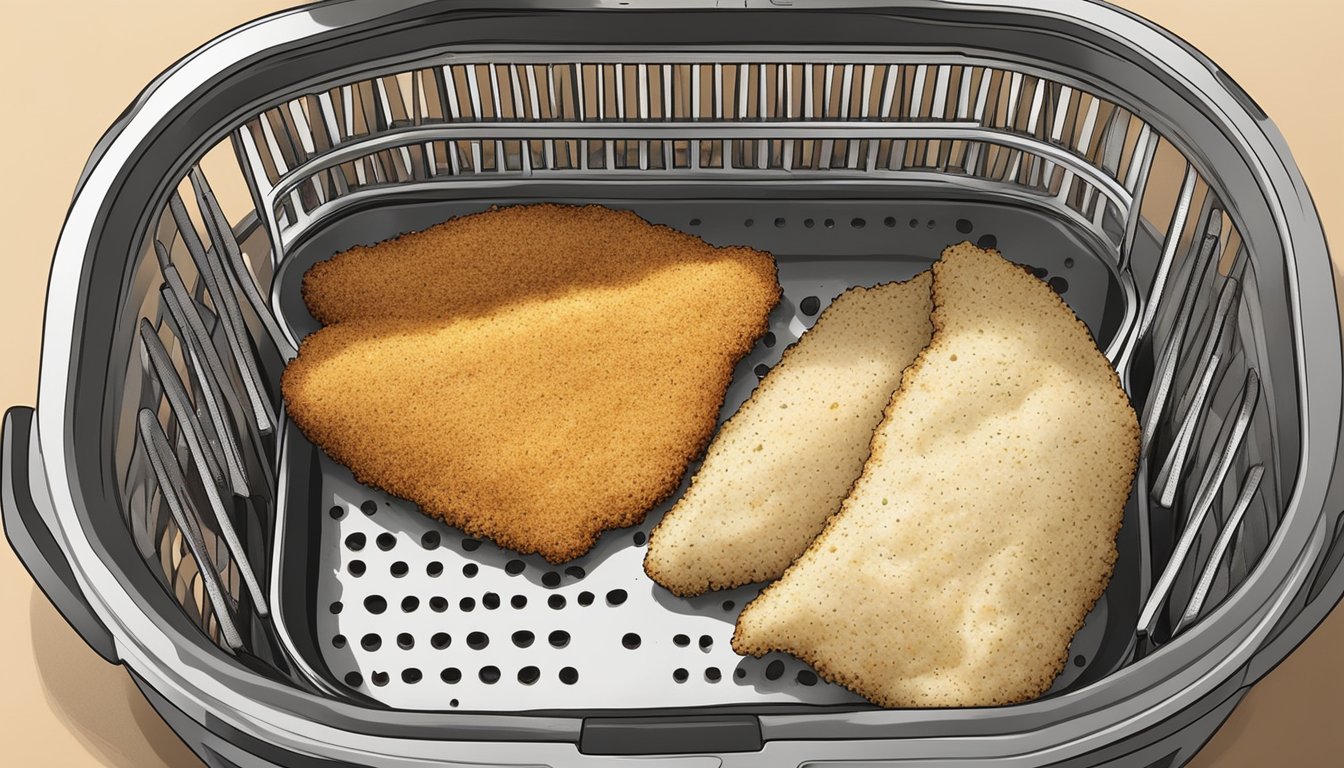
{"x": 278, "y": 613}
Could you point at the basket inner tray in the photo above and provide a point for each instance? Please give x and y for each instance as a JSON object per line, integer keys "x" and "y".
{"x": 384, "y": 603}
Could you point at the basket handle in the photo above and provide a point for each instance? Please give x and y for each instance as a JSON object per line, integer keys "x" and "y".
{"x": 31, "y": 538}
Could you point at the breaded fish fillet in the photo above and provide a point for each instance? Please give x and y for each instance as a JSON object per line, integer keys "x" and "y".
{"x": 534, "y": 374}
{"x": 784, "y": 462}
{"x": 983, "y": 527}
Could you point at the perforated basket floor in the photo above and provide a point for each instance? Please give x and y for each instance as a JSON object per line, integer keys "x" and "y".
{"x": 413, "y": 614}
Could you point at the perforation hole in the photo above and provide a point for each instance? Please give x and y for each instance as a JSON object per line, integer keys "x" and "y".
{"x": 529, "y": 675}
{"x": 550, "y": 579}
{"x": 810, "y": 305}
{"x": 809, "y": 223}
{"x": 489, "y": 674}
{"x": 558, "y": 639}
{"x": 430, "y": 540}
{"x": 640, "y": 538}
{"x": 681, "y": 641}
{"x": 514, "y": 567}
{"x": 630, "y": 640}
{"x": 706, "y": 642}
{"x": 451, "y": 676}
{"x": 438, "y": 604}
{"x": 409, "y": 603}
{"x": 829, "y": 223}
{"x": 774, "y": 670}
{"x": 477, "y": 641}
{"x": 523, "y": 638}
{"x": 890, "y": 221}
{"x": 338, "y": 641}
{"x": 569, "y": 675}
{"x": 760, "y": 370}
{"x": 586, "y": 598}
{"x": 931, "y": 223}
{"x": 400, "y": 568}
{"x": 1080, "y": 661}
{"x": 556, "y": 602}
{"x": 440, "y": 640}
{"x": 575, "y": 572}
{"x": 780, "y": 222}
{"x": 729, "y": 605}
{"x": 405, "y": 641}
{"x": 410, "y": 675}
{"x": 518, "y": 601}
{"x": 807, "y": 677}
{"x": 740, "y": 673}
{"x": 914, "y": 223}
{"x": 336, "y": 514}
{"x": 695, "y": 222}
{"x": 749, "y": 223}
{"x": 386, "y": 541}
{"x": 988, "y": 241}
{"x": 490, "y": 601}
{"x": 336, "y": 607}
{"x": 369, "y": 507}
{"x": 434, "y": 569}
{"x": 355, "y": 542}
{"x": 857, "y": 223}
{"x": 713, "y": 674}
{"x": 356, "y": 568}
{"x": 379, "y": 678}
{"x": 375, "y": 604}
{"x": 680, "y": 675}
{"x": 1059, "y": 284}
{"x": 470, "y": 570}
{"x": 616, "y": 597}
{"x": 471, "y": 545}
{"x": 1068, "y": 263}
{"x": 769, "y": 340}
{"x": 371, "y": 642}
{"x": 354, "y": 679}
{"x": 467, "y": 604}
{"x": 964, "y": 226}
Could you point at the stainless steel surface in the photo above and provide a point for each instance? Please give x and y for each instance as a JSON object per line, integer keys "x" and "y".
{"x": 1114, "y": 159}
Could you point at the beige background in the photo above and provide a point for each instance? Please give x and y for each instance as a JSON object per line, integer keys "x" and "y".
{"x": 71, "y": 68}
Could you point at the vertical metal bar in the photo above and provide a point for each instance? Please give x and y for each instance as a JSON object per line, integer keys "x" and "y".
{"x": 695, "y": 114}
{"x": 171, "y": 482}
{"x": 964, "y": 93}
{"x": 1136, "y": 181}
{"x": 828, "y": 88}
{"x": 889, "y": 79}
{"x": 1179, "y": 216}
{"x": 846, "y": 95}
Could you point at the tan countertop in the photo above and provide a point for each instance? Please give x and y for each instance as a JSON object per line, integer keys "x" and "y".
{"x": 74, "y": 67}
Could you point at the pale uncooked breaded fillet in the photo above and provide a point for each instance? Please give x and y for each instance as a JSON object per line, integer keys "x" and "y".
{"x": 784, "y": 462}
{"x": 534, "y": 374}
{"x": 983, "y": 527}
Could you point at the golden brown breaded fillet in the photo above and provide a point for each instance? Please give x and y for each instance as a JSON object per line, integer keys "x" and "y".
{"x": 983, "y": 527}
{"x": 784, "y": 462}
{"x": 534, "y": 375}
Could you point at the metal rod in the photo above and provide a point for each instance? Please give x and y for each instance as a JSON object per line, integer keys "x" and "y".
{"x": 171, "y": 483}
